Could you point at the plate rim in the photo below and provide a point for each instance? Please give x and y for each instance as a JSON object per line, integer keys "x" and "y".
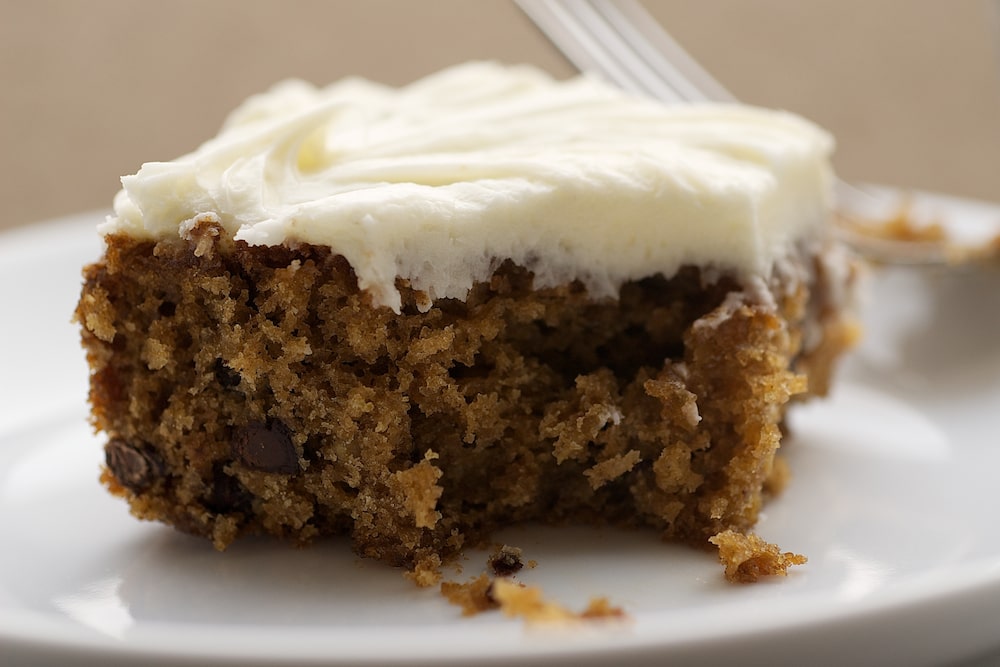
{"x": 981, "y": 580}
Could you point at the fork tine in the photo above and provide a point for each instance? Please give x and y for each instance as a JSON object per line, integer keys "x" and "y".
{"x": 593, "y": 45}
{"x": 592, "y": 17}
{"x": 663, "y": 55}
{"x": 560, "y": 23}
{"x": 622, "y": 42}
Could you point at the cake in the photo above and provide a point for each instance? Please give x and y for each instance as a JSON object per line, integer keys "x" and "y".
{"x": 417, "y": 315}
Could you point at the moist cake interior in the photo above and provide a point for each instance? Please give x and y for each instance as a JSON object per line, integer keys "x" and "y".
{"x": 254, "y": 389}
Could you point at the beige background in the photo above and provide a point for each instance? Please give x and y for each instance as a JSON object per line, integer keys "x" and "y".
{"x": 90, "y": 90}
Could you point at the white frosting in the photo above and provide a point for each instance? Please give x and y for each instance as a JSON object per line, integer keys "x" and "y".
{"x": 439, "y": 181}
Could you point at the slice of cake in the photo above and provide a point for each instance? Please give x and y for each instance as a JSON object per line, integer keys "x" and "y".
{"x": 417, "y": 315}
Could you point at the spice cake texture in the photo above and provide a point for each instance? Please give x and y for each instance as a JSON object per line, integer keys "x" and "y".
{"x": 414, "y": 316}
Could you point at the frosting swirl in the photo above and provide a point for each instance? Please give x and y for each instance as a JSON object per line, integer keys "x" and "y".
{"x": 439, "y": 181}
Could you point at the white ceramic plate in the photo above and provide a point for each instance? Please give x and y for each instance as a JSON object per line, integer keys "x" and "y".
{"x": 894, "y": 500}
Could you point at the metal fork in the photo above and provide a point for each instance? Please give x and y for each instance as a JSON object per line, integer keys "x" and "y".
{"x": 622, "y": 42}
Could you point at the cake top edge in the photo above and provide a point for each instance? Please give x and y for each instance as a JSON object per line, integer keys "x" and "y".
{"x": 440, "y": 180}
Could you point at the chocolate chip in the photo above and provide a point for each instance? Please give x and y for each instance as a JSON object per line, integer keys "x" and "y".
{"x": 226, "y": 376}
{"x": 506, "y": 561}
{"x": 167, "y": 309}
{"x": 228, "y": 494}
{"x": 266, "y": 447}
{"x": 135, "y": 468}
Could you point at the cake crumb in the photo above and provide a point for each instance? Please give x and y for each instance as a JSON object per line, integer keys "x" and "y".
{"x": 906, "y": 227}
{"x": 505, "y": 561}
{"x": 426, "y": 572}
{"x": 514, "y": 599}
{"x": 202, "y": 230}
{"x": 611, "y": 469}
{"x": 473, "y": 596}
{"x": 601, "y": 607}
{"x": 97, "y": 315}
{"x": 900, "y": 227}
{"x": 527, "y": 602}
{"x": 747, "y": 557}
{"x": 419, "y": 485}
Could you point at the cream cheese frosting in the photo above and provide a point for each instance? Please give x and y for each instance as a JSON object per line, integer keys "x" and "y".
{"x": 440, "y": 181}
